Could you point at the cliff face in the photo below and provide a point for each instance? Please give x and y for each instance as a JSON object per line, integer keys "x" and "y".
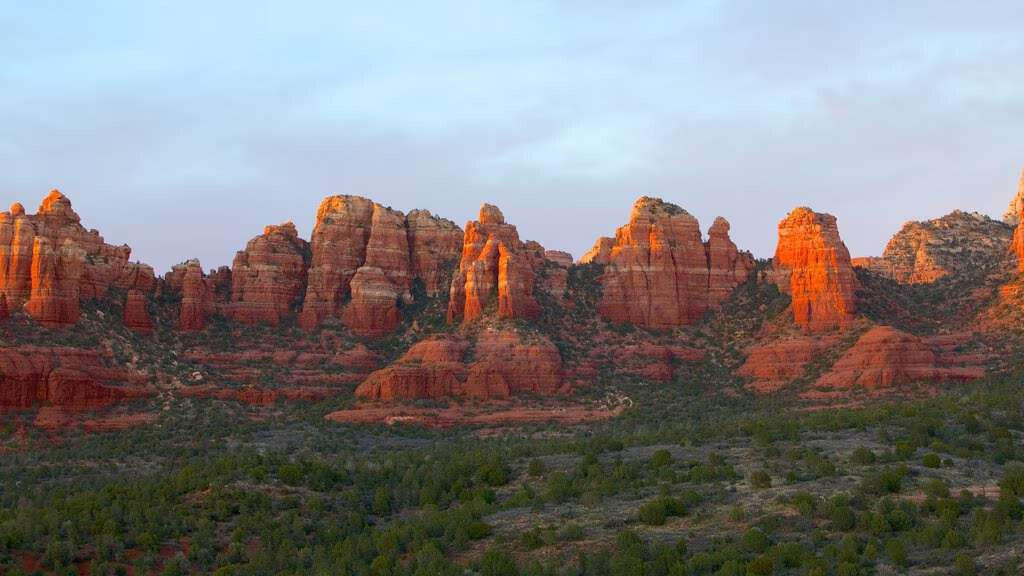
{"x": 885, "y": 358}
{"x": 923, "y": 252}
{"x": 1013, "y": 213}
{"x": 49, "y": 262}
{"x": 67, "y": 378}
{"x": 353, "y": 233}
{"x": 659, "y": 271}
{"x": 268, "y": 277}
{"x": 366, "y": 264}
{"x": 813, "y": 266}
{"x": 495, "y": 264}
{"x": 503, "y": 364}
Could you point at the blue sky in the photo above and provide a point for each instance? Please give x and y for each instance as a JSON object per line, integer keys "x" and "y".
{"x": 182, "y": 128}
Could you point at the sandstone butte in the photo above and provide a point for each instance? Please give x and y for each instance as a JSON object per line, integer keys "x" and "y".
{"x": 200, "y": 295}
{"x": 268, "y": 277}
{"x": 495, "y": 263}
{"x": 502, "y": 364}
{"x": 659, "y": 271}
{"x": 813, "y": 266}
{"x": 49, "y": 262}
{"x": 372, "y": 255}
{"x": 923, "y": 252}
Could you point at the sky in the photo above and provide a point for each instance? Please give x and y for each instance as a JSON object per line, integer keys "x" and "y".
{"x": 182, "y": 127}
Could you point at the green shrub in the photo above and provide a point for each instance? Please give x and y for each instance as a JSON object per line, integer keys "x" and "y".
{"x": 760, "y": 480}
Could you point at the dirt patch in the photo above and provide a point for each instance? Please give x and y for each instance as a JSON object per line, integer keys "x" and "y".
{"x": 477, "y": 415}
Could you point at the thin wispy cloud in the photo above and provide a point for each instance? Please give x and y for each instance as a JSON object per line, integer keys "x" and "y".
{"x": 183, "y": 128}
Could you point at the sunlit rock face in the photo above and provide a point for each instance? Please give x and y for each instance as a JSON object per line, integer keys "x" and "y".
{"x": 813, "y": 266}
{"x": 495, "y": 264}
{"x": 49, "y": 262}
{"x": 365, "y": 258}
{"x": 659, "y": 271}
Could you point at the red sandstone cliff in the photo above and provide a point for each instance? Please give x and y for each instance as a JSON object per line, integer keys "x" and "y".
{"x": 503, "y": 364}
{"x": 659, "y": 271}
{"x": 68, "y": 378}
{"x": 370, "y": 255}
{"x": 49, "y": 262}
{"x": 268, "y": 277}
{"x": 495, "y": 264}
{"x": 813, "y": 266}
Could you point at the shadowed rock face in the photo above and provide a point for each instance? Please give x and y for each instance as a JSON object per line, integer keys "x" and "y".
{"x": 49, "y": 262}
{"x": 659, "y": 271}
{"x": 354, "y": 233}
{"x": 813, "y": 266}
{"x": 268, "y": 277}
{"x": 503, "y": 364}
{"x": 434, "y": 245}
{"x": 495, "y": 264}
{"x": 885, "y": 357}
{"x": 68, "y": 378}
{"x": 136, "y": 312}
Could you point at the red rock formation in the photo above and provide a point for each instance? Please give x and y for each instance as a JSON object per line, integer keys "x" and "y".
{"x": 136, "y": 312}
{"x": 197, "y": 295}
{"x": 373, "y": 311}
{"x": 884, "y": 358}
{"x": 339, "y": 241}
{"x": 563, "y": 259}
{"x": 353, "y": 233}
{"x": 660, "y": 274}
{"x": 652, "y": 361}
{"x": 600, "y": 253}
{"x": 434, "y": 247}
{"x": 504, "y": 364}
{"x": 5, "y": 312}
{"x": 430, "y": 369}
{"x": 268, "y": 277}
{"x": 495, "y": 263}
{"x": 53, "y": 300}
{"x": 388, "y": 248}
{"x": 1016, "y": 208}
{"x": 955, "y": 244}
{"x": 1018, "y": 245}
{"x": 67, "y": 378}
{"x": 139, "y": 277}
{"x": 70, "y": 263}
{"x": 813, "y": 266}
{"x": 774, "y": 365}
{"x": 727, "y": 266}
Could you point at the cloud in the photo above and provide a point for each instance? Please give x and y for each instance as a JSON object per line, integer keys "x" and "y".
{"x": 183, "y": 128}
